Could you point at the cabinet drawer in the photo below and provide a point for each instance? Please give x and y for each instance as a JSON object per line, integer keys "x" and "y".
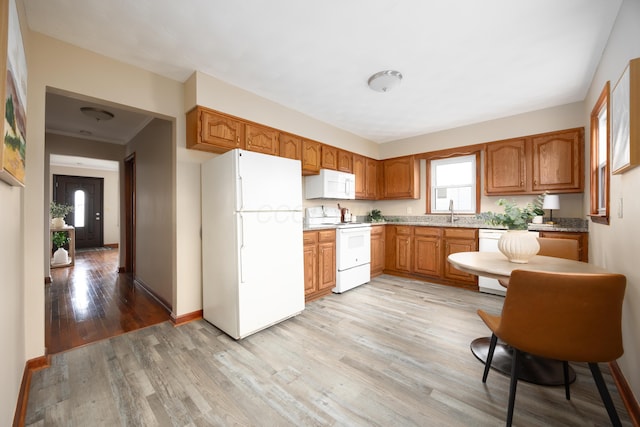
{"x": 326, "y": 236}
{"x": 404, "y": 229}
{"x": 377, "y": 230}
{"x": 427, "y": 231}
{"x": 460, "y": 233}
{"x": 309, "y": 238}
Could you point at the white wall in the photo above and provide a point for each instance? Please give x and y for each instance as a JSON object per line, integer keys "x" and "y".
{"x": 154, "y": 208}
{"x": 616, "y": 246}
{"x": 12, "y": 315}
{"x": 551, "y": 119}
{"x": 58, "y": 65}
{"x": 111, "y": 197}
{"x": 213, "y": 93}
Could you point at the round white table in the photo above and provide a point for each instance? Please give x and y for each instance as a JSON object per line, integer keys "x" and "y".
{"x": 496, "y": 265}
{"x": 533, "y": 369}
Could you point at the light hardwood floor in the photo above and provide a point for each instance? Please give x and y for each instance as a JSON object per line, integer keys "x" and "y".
{"x": 392, "y": 352}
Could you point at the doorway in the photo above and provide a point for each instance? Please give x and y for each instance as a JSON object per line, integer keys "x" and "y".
{"x": 86, "y": 195}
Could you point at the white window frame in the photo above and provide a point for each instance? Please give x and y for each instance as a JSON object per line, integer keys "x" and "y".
{"x": 434, "y": 186}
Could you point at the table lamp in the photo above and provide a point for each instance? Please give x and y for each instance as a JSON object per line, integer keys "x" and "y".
{"x": 551, "y": 202}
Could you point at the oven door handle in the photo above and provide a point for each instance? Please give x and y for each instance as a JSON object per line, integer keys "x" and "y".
{"x": 354, "y": 230}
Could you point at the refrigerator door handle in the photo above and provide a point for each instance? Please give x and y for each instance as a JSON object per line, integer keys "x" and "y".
{"x": 241, "y": 194}
{"x": 240, "y": 258}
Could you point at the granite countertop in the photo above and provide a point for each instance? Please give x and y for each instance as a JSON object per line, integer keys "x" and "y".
{"x": 575, "y": 225}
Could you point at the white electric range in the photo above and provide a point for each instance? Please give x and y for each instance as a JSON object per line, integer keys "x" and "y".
{"x": 353, "y": 246}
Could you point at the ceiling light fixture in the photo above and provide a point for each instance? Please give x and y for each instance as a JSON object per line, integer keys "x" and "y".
{"x": 97, "y": 113}
{"x": 384, "y": 81}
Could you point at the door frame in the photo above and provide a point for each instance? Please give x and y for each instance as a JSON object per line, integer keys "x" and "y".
{"x": 130, "y": 214}
{"x": 60, "y": 197}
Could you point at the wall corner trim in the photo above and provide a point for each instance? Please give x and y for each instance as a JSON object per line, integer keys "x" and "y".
{"x": 30, "y": 366}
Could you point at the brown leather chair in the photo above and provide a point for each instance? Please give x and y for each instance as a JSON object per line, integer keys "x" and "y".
{"x": 559, "y": 248}
{"x": 561, "y": 316}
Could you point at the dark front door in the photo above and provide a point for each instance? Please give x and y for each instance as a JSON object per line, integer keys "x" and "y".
{"x": 85, "y": 195}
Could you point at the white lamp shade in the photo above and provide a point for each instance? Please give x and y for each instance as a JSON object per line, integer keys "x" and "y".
{"x": 551, "y": 201}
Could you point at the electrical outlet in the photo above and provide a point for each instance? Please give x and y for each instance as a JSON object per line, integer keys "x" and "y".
{"x": 409, "y": 210}
{"x": 620, "y": 207}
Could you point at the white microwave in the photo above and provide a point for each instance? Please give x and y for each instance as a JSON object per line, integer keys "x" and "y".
{"x": 330, "y": 184}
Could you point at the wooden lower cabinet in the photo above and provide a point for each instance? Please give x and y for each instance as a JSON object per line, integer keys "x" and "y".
{"x": 582, "y": 238}
{"x": 319, "y": 263}
{"x": 377, "y": 250}
{"x": 421, "y": 252}
{"x": 459, "y": 240}
{"x": 428, "y": 255}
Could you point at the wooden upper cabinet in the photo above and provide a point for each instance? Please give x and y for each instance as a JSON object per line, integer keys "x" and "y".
{"x": 329, "y": 157}
{"x": 533, "y": 164}
{"x": 366, "y": 172}
{"x": 262, "y": 139}
{"x": 345, "y": 161}
{"x": 211, "y": 131}
{"x": 310, "y": 157}
{"x": 558, "y": 160}
{"x": 360, "y": 171}
{"x": 372, "y": 178}
{"x": 401, "y": 178}
{"x": 290, "y": 146}
{"x": 505, "y": 166}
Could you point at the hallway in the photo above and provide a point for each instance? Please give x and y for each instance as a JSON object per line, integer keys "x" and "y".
{"x": 91, "y": 301}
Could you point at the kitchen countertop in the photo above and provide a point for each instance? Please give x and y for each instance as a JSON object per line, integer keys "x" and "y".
{"x": 572, "y": 225}
{"x": 575, "y": 225}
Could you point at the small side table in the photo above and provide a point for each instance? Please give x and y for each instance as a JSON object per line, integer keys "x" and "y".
{"x": 72, "y": 245}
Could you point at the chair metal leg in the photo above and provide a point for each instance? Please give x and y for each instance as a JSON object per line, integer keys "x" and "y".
{"x": 565, "y": 371}
{"x": 514, "y": 384}
{"x": 487, "y": 363}
{"x": 604, "y": 394}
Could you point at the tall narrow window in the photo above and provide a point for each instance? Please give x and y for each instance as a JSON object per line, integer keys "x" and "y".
{"x": 78, "y": 208}
{"x": 599, "y": 206}
{"x": 453, "y": 184}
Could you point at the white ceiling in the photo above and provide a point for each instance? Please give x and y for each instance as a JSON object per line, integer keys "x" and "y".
{"x": 463, "y": 61}
{"x": 83, "y": 162}
{"x": 64, "y": 117}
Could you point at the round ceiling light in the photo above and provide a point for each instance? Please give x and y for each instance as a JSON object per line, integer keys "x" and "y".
{"x": 384, "y": 81}
{"x": 97, "y": 113}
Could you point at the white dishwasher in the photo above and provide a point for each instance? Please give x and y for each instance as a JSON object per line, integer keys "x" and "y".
{"x": 488, "y": 242}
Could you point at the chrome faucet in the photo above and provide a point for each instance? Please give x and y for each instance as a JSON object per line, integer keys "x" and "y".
{"x": 451, "y": 210}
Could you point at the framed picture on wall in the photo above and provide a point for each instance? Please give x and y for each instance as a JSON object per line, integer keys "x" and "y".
{"x": 13, "y": 93}
{"x": 625, "y": 123}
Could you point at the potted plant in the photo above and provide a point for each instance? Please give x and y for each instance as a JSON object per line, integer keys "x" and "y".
{"x": 513, "y": 218}
{"x": 58, "y": 211}
{"x": 518, "y": 245}
{"x": 537, "y": 208}
{"x": 60, "y": 239}
{"x": 375, "y": 216}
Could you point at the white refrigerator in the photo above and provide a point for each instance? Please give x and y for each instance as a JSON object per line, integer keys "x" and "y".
{"x": 252, "y": 254}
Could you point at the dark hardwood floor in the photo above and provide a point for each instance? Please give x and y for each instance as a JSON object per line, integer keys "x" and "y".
{"x": 91, "y": 301}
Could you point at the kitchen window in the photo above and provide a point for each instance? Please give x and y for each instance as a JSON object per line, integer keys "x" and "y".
{"x": 600, "y": 161}
{"x": 453, "y": 179}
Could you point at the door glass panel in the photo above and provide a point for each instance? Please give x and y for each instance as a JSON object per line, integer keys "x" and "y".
{"x": 78, "y": 208}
